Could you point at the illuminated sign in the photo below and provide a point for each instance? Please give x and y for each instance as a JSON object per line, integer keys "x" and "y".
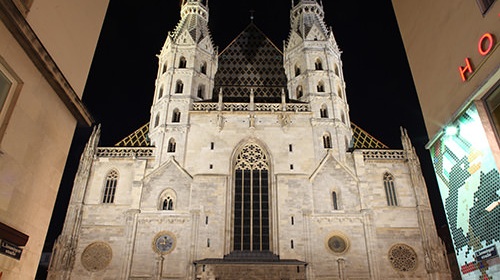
{"x": 11, "y": 250}
{"x": 484, "y": 47}
{"x": 486, "y": 254}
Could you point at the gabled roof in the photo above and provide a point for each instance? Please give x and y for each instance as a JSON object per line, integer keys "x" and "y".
{"x": 362, "y": 139}
{"x": 250, "y": 62}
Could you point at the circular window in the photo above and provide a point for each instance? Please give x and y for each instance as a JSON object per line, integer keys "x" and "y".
{"x": 164, "y": 242}
{"x": 403, "y": 257}
{"x": 338, "y": 244}
{"x": 96, "y": 256}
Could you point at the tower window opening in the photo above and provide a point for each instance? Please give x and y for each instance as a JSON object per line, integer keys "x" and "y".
{"x": 335, "y": 202}
{"x": 176, "y": 116}
{"x": 390, "y": 191}
{"x": 299, "y": 92}
{"x": 160, "y": 93}
{"x": 212, "y": 145}
{"x": 179, "y": 87}
{"x": 318, "y": 65}
{"x": 110, "y": 187}
{"x": 201, "y": 91}
{"x": 171, "y": 146}
{"x": 336, "y": 70}
{"x": 323, "y": 111}
{"x": 157, "y": 120}
{"x": 290, "y": 148}
{"x": 327, "y": 141}
{"x": 182, "y": 62}
{"x": 297, "y": 70}
{"x": 291, "y": 244}
{"x": 321, "y": 87}
{"x": 164, "y": 68}
{"x": 203, "y": 68}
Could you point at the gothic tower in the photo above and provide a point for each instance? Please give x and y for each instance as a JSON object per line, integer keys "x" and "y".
{"x": 314, "y": 70}
{"x": 186, "y": 68}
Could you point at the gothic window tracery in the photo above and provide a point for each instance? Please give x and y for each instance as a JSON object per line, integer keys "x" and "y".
{"x": 327, "y": 141}
{"x": 390, "y": 190}
{"x": 110, "y": 187}
{"x": 171, "y": 145}
{"x": 182, "y": 62}
{"x": 176, "y": 116}
{"x": 168, "y": 204}
{"x": 167, "y": 200}
{"x": 179, "y": 87}
{"x": 251, "y": 230}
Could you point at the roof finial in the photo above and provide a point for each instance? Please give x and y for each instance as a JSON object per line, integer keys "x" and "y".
{"x": 252, "y": 11}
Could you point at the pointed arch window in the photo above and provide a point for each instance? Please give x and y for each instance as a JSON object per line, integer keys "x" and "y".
{"x": 167, "y": 200}
{"x": 335, "y": 202}
{"x": 390, "y": 191}
{"x": 323, "y": 111}
{"x": 300, "y": 92}
{"x": 171, "y": 146}
{"x": 318, "y": 65}
{"x": 176, "y": 116}
{"x": 321, "y": 87}
{"x": 164, "y": 68}
{"x": 110, "y": 187}
{"x": 251, "y": 230}
{"x": 179, "y": 87}
{"x": 182, "y": 62}
{"x": 327, "y": 141}
{"x": 297, "y": 70}
{"x": 203, "y": 68}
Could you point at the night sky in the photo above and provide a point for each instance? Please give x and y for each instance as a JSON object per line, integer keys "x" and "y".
{"x": 120, "y": 85}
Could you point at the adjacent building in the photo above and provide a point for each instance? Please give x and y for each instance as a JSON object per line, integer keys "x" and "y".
{"x": 249, "y": 169}
{"x": 46, "y": 48}
{"x": 452, "y": 47}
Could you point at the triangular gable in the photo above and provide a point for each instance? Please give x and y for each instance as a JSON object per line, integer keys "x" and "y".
{"x": 170, "y": 162}
{"x": 315, "y": 33}
{"x": 330, "y": 158}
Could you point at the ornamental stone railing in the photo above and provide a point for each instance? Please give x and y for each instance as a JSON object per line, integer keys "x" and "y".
{"x": 125, "y": 152}
{"x": 263, "y": 107}
{"x": 384, "y": 155}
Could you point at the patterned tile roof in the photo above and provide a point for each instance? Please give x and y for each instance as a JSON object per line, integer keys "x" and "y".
{"x": 250, "y": 62}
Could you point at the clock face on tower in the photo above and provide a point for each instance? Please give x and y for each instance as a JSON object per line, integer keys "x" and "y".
{"x": 164, "y": 242}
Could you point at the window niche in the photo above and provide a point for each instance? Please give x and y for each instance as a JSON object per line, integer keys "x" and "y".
{"x": 327, "y": 141}
{"x": 182, "y": 62}
{"x": 171, "y": 146}
{"x": 318, "y": 64}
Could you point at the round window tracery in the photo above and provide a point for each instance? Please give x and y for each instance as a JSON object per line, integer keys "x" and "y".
{"x": 96, "y": 256}
{"x": 403, "y": 258}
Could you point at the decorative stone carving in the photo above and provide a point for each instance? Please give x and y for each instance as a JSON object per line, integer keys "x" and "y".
{"x": 96, "y": 256}
{"x": 403, "y": 258}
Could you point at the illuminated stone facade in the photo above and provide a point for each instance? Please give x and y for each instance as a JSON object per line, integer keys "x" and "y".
{"x": 251, "y": 170}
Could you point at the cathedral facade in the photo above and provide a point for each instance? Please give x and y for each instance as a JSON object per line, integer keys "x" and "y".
{"x": 249, "y": 169}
